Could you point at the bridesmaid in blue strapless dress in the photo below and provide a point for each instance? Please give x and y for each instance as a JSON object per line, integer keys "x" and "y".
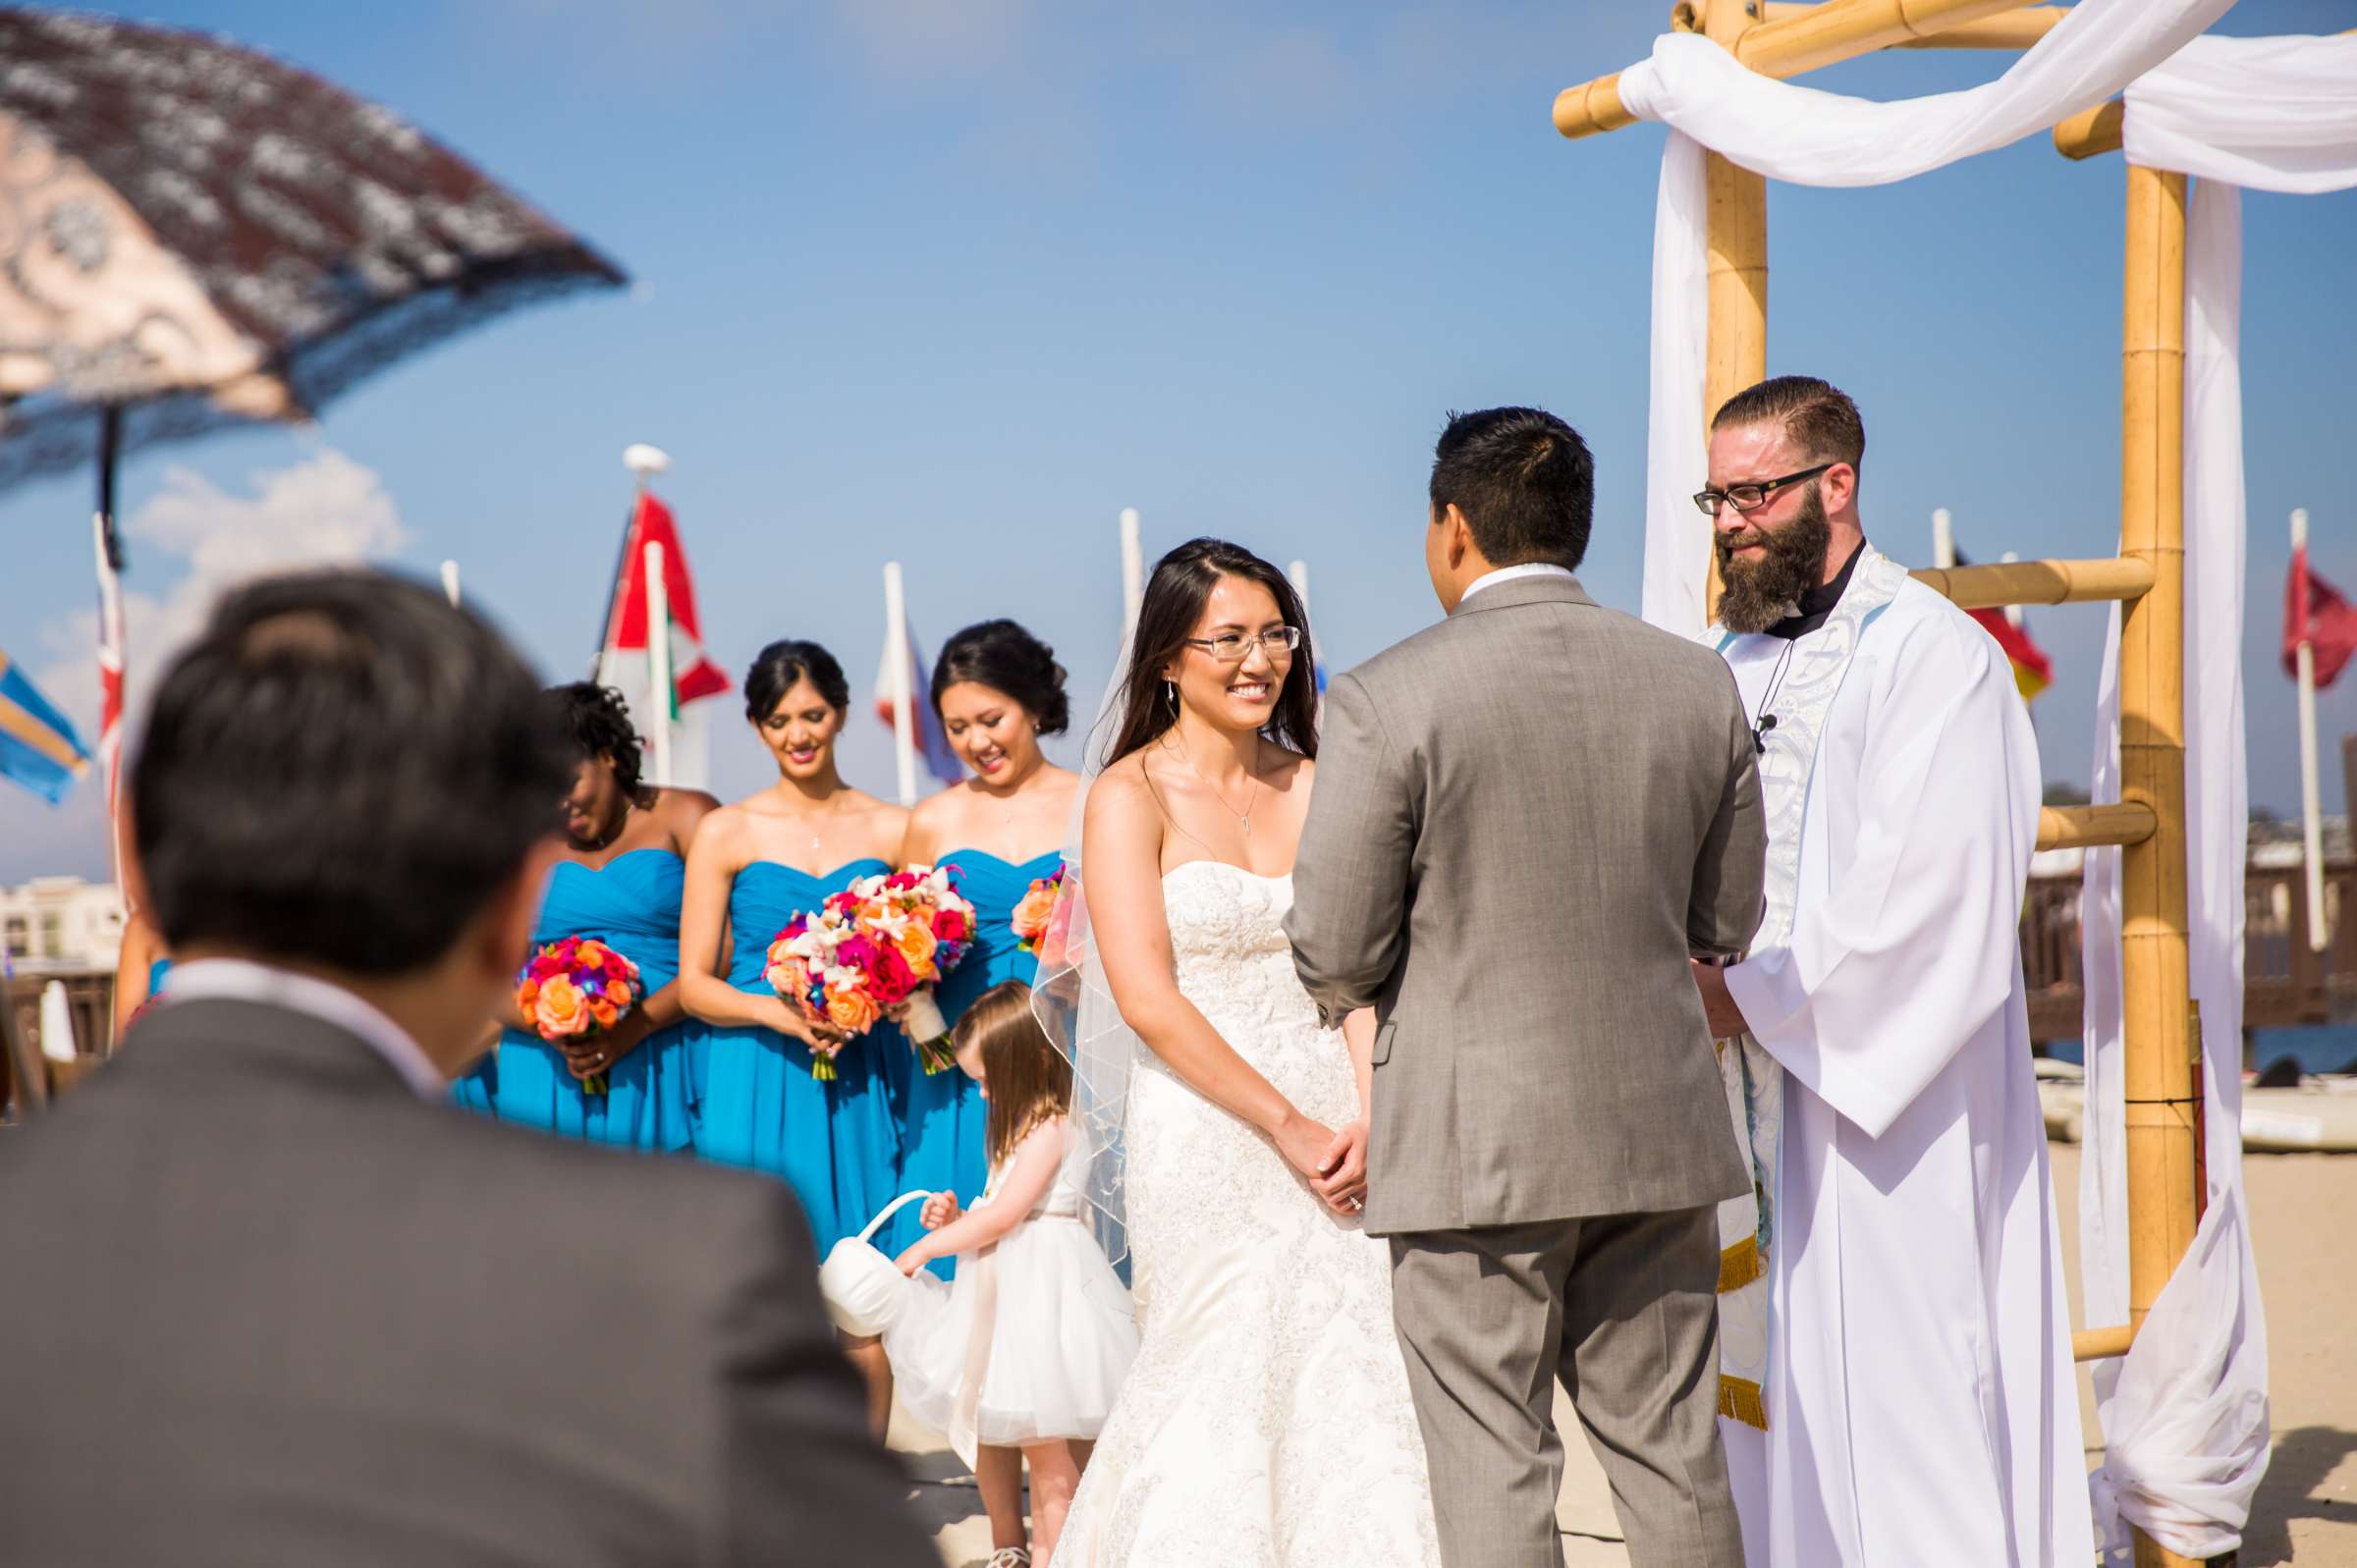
{"x": 620, "y": 881}
{"x": 632, "y": 904}
{"x": 756, "y": 863}
{"x": 833, "y": 1140}
{"x": 998, "y": 690}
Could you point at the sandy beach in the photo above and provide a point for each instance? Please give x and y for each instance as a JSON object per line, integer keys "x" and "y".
{"x": 2303, "y": 1208}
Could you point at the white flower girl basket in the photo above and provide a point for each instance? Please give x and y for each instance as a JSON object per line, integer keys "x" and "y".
{"x": 865, "y": 1292}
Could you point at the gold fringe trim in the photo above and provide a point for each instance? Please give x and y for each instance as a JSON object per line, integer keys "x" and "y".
{"x": 1739, "y": 1400}
{"x": 1739, "y": 1265}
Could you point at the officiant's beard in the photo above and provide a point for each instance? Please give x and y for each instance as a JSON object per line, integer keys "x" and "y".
{"x": 1762, "y": 591}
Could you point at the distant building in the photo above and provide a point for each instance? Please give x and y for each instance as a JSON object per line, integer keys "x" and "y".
{"x": 61, "y": 926}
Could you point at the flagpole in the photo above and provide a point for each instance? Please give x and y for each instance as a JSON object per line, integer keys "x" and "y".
{"x": 1133, "y": 574}
{"x": 450, "y": 583}
{"x": 1944, "y": 540}
{"x": 659, "y": 683}
{"x": 895, "y": 653}
{"x": 113, "y": 655}
{"x": 2312, "y": 822}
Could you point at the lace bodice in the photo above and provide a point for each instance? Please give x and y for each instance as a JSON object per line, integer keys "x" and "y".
{"x": 1235, "y": 965}
{"x": 1266, "y": 1423}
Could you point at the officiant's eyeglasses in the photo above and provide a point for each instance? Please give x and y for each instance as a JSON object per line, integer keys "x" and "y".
{"x": 1233, "y": 648}
{"x": 1750, "y": 498}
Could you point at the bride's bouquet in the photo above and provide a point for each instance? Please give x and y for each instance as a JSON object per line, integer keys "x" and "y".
{"x": 877, "y": 946}
{"x": 577, "y": 987}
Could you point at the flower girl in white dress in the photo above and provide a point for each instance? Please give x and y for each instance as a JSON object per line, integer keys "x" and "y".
{"x": 1029, "y": 1344}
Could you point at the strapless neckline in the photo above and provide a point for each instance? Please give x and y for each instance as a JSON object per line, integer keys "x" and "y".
{"x": 1241, "y": 871}
{"x": 627, "y": 854}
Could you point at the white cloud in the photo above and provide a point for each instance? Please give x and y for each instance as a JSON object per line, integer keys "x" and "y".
{"x": 326, "y": 510}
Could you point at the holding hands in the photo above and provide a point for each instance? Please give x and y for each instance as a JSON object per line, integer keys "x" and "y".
{"x": 1335, "y": 1162}
{"x": 1344, "y": 1181}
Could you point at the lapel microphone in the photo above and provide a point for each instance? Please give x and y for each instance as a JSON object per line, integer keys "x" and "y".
{"x": 1759, "y": 733}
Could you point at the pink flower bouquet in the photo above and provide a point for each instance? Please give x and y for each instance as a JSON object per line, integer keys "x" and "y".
{"x": 878, "y": 946}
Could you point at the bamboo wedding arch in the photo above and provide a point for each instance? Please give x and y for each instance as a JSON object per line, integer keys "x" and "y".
{"x": 2161, "y": 1036}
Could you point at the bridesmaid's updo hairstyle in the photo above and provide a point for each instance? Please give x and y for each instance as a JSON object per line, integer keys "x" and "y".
{"x": 597, "y": 722}
{"x": 1003, "y": 655}
{"x": 779, "y": 667}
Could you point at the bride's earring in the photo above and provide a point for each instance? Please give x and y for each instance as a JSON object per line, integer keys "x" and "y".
{"x": 1172, "y": 686}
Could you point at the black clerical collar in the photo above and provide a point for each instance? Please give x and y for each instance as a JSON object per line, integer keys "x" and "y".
{"x": 1817, "y": 604}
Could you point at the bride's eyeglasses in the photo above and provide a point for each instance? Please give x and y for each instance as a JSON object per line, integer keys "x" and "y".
{"x": 1233, "y": 648}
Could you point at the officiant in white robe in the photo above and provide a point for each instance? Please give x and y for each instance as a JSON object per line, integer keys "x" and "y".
{"x": 1913, "y": 1367}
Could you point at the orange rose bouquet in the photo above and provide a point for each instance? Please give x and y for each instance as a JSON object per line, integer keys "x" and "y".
{"x": 1037, "y": 911}
{"x": 574, "y": 988}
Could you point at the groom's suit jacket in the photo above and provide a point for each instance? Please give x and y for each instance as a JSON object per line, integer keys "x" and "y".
{"x": 1526, "y": 819}
{"x": 266, "y": 1305}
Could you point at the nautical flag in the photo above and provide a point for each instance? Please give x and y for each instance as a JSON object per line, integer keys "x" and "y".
{"x": 2315, "y": 612}
{"x": 2033, "y": 671}
{"x": 932, "y": 742}
{"x": 110, "y": 666}
{"x": 622, "y": 659}
{"x": 39, "y": 747}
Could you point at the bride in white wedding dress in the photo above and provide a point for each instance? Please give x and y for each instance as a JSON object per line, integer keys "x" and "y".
{"x": 1266, "y": 1420}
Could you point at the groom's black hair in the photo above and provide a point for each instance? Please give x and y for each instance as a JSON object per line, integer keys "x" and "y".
{"x": 1525, "y": 481}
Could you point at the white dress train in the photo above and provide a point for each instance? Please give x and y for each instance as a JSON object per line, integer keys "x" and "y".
{"x": 1266, "y": 1420}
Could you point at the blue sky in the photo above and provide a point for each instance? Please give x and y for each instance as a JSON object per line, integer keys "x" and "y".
{"x": 954, "y": 281}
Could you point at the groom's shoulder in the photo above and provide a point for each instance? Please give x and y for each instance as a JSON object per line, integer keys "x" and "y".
{"x": 1587, "y": 630}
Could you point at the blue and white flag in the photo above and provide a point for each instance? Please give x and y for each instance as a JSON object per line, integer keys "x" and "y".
{"x": 39, "y": 747}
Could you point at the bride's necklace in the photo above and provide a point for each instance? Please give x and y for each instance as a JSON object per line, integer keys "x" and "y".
{"x": 1250, "y": 801}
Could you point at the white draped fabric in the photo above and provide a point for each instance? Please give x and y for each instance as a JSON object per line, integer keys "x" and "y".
{"x": 1805, "y": 136}
{"x": 2184, "y": 1414}
{"x": 2268, "y": 114}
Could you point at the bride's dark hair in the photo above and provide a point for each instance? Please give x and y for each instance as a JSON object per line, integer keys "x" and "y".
{"x": 1173, "y": 602}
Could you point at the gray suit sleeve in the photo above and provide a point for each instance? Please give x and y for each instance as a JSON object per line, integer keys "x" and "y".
{"x": 1351, "y": 879}
{"x": 1728, "y": 899}
{"x": 802, "y": 1480}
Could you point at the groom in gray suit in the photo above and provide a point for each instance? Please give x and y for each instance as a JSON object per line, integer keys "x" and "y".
{"x": 1528, "y": 820}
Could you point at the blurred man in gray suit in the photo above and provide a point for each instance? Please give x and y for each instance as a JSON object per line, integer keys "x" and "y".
{"x": 1529, "y": 820}
{"x": 269, "y": 1300}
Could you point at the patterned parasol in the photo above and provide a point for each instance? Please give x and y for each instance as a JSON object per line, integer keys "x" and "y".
{"x": 193, "y": 235}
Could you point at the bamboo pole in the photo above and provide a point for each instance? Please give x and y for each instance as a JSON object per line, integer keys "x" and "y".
{"x": 2091, "y": 827}
{"x": 1813, "y": 36}
{"x": 2038, "y": 582}
{"x": 2159, "y": 1073}
{"x": 2012, "y": 29}
{"x": 2092, "y": 131}
{"x": 1735, "y": 225}
{"x": 2101, "y": 1344}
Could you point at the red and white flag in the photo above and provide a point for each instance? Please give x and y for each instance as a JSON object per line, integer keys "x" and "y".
{"x": 110, "y": 676}
{"x": 2315, "y": 612}
{"x": 932, "y": 742}
{"x": 622, "y": 661}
